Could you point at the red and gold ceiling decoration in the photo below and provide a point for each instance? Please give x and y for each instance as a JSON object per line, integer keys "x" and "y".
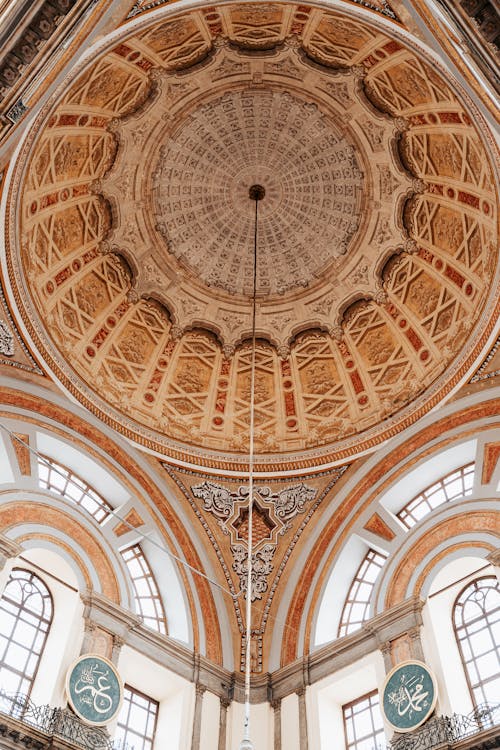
{"x": 131, "y": 236}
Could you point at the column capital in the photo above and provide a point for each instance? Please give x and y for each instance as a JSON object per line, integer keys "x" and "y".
{"x": 8, "y": 550}
{"x": 494, "y": 558}
{"x": 108, "y": 615}
{"x": 199, "y": 689}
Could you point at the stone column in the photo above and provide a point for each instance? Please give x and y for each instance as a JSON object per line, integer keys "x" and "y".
{"x": 397, "y": 632}
{"x": 198, "y": 705}
{"x": 88, "y": 637}
{"x": 304, "y": 743}
{"x": 224, "y": 705}
{"x": 276, "y": 706}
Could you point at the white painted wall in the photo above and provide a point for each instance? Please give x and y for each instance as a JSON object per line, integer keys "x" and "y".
{"x": 66, "y": 631}
{"x": 174, "y": 694}
{"x": 261, "y": 727}
{"x": 326, "y": 698}
{"x": 336, "y": 589}
{"x": 290, "y": 732}
{"x": 426, "y": 472}
{"x": 210, "y": 716}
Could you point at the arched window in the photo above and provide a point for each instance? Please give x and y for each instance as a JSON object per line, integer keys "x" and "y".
{"x": 25, "y": 618}
{"x": 457, "y": 483}
{"x": 57, "y": 478}
{"x": 357, "y": 602}
{"x": 147, "y": 597}
{"x": 476, "y": 617}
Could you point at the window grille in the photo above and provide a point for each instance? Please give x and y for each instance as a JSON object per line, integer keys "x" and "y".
{"x": 56, "y": 478}
{"x": 147, "y": 597}
{"x": 357, "y": 602}
{"x": 363, "y": 724}
{"x": 25, "y": 618}
{"x": 456, "y": 484}
{"x": 476, "y": 617}
{"x": 136, "y": 721}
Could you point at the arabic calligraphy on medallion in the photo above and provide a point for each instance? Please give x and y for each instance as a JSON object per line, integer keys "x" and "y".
{"x": 409, "y": 696}
{"x": 94, "y": 689}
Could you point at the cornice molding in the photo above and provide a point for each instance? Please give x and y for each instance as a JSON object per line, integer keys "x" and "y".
{"x": 229, "y": 686}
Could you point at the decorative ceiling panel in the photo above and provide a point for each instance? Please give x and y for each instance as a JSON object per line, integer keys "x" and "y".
{"x": 377, "y": 236}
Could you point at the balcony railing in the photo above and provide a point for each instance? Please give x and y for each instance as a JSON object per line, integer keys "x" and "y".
{"x": 481, "y": 726}
{"x": 58, "y": 722}
{"x": 445, "y": 731}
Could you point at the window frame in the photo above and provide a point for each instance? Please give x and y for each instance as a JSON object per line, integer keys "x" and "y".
{"x": 104, "y": 509}
{"x": 155, "y": 597}
{"x": 349, "y": 705}
{"x": 353, "y": 589}
{"x": 47, "y": 620}
{"x": 125, "y": 742}
{"x": 439, "y": 485}
{"x": 458, "y": 640}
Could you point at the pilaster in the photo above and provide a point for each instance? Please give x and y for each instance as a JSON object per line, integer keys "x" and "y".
{"x": 198, "y": 705}
{"x": 224, "y": 705}
{"x": 106, "y": 626}
{"x": 494, "y": 559}
{"x": 276, "y": 706}
{"x": 304, "y": 743}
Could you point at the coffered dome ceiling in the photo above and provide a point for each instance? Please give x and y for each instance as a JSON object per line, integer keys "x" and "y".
{"x": 377, "y": 235}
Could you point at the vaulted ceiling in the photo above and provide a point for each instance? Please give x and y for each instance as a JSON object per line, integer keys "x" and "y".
{"x": 129, "y": 251}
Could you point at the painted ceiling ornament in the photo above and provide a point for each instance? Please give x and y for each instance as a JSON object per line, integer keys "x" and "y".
{"x": 6, "y": 340}
{"x": 272, "y": 516}
{"x": 409, "y": 695}
{"x": 225, "y": 505}
{"x": 262, "y": 566}
{"x": 94, "y": 689}
{"x": 354, "y": 163}
{"x": 216, "y": 499}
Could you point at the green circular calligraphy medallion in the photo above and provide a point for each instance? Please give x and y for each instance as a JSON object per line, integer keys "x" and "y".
{"x": 94, "y": 689}
{"x": 409, "y": 695}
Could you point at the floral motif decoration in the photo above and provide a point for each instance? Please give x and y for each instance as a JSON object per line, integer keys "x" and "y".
{"x": 272, "y": 516}
{"x": 6, "y": 340}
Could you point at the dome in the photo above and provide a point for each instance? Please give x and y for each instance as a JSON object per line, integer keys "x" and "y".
{"x": 376, "y": 235}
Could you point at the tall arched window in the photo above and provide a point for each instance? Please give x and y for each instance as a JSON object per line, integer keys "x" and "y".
{"x": 146, "y": 594}
{"x": 25, "y": 618}
{"x": 357, "y": 603}
{"x": 476, "y": 617}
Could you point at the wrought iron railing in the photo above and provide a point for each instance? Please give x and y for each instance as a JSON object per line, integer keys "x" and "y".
{"x": 54, "y": 721}
{"x": 449, "y": 729}
{"x": 63, "y": 723}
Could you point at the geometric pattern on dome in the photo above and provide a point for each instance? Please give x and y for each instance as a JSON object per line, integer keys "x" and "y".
{"x": 307, "y": 167}
{"x": 378, "y": 337}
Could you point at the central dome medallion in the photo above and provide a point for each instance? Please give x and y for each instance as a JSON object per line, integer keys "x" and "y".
{"x": 307, "y": 166}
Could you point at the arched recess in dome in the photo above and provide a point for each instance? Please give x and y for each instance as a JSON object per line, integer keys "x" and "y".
{"x": 422, "y": 311}
{"x": 384, "y": 533}
{"x": 135, "y": 495}
{"x": 366, "y": 506}
{"x": 435, "y": 543}
{"x": 40, "y": 524}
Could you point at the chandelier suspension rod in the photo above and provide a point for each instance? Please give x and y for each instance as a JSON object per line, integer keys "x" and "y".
{"x": 256, "y": 193}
